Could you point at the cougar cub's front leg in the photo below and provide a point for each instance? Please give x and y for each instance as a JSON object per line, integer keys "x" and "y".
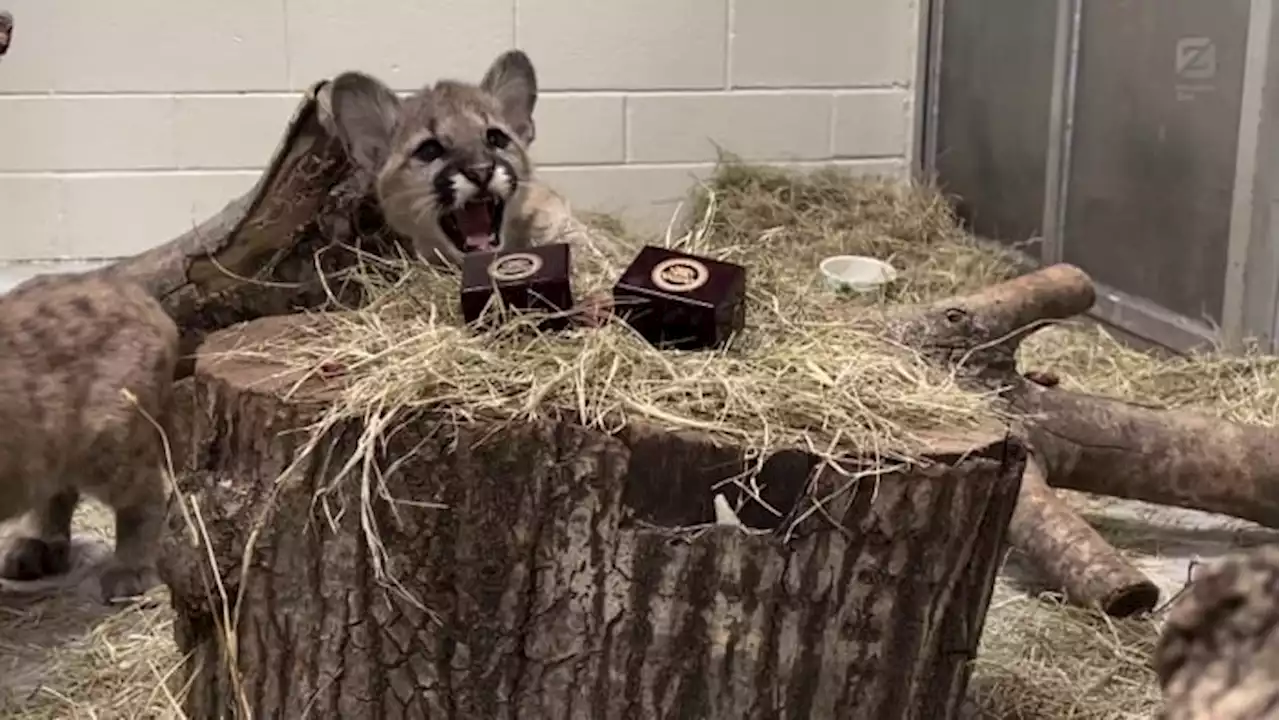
{"x": 44, "y": 546}
{"x": 139, "y": 505}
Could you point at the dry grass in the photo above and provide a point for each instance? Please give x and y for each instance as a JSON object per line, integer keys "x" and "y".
{"x": 1241, "y": 388}
{"x": 1041, "y": 658}
{"x": 64, "y": 655}
{"x": 811, "y": 369}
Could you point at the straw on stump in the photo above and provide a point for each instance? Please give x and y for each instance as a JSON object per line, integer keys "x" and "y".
{"x": 1217, "y": 656}
{"x": 563, "y": 568}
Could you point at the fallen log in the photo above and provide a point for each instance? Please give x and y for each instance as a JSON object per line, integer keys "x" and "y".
{"x": 978, "y": 335}
{"x": 279, "y": 248}
{"x": 1217, "y": 654}
{"x": 1068, "y": 550}
{"x": 547, "y": 570}
{"x": 1170, "y": 457}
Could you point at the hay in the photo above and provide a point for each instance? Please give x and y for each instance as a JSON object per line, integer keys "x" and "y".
{"x": 1041, "y": 658}
{"x": 1241, "y": 388}
{"x": 64, "y": 655}
{"x": 1038, "y": 659}
{"x": 813, "y": 368}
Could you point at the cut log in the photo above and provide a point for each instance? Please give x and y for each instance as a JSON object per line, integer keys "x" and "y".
{"x": 978, "y": 335}
{"x": 1217, "y": 655}
{"x": 545, "y": 570}
{"x": 1169, "y": 457}
{"x": 1089, "y": 443}
{"x": 1066, "y": 549}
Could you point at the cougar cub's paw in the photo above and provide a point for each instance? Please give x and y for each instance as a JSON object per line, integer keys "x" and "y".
{"x": 33, "y": 558}
{"x": 122, "y": 583}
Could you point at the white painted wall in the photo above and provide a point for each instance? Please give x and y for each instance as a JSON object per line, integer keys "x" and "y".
{"x": 125, "y": 122}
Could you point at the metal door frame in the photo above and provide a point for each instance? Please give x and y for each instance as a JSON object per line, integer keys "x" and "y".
{"x": 924, "y": 141}
{"x": 1246, "y": 237}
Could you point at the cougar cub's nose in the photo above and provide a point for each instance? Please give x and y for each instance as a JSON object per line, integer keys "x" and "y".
{"x": 480, "y": 175}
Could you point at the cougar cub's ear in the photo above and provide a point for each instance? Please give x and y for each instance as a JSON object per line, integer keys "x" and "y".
{"x": 365, "y": 113}
{"x": 511, "y": 79}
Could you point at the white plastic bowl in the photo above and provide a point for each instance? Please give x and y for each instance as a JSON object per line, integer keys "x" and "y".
{"x": 857, "y": 273}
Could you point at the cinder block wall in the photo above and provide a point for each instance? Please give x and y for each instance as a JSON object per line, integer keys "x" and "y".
{"x": 124, "y": 123}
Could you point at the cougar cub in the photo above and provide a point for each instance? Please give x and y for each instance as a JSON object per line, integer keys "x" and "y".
{"x": 71, "y": 347}
{"x": 451, "y": 162}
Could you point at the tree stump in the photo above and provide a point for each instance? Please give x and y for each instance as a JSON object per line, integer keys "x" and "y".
{"x": 548, "y": 570}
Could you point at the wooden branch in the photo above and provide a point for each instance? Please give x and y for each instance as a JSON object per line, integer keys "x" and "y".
{"x": 979, "y": 335}
{"x": 1217, "y": 655}
{"x": 1067, "y": 549}
{"x": 1177, "y": 458}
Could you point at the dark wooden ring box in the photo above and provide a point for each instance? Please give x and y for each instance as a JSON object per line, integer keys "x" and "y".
{"x": 534, "y": 278}
{"x": 681, "y": 301}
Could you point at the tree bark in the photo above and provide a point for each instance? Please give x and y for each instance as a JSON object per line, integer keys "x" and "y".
{"x": 978, "y": 335}
{"x": 566, "y": 579}
{"x": 1169, "y": 457}
{"x": 1067, "y": 549}
{"x": 279, "y": 248}
{"x": 1217, "y": 655}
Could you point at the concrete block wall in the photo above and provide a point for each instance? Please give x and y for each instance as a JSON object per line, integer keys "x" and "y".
{"x": 124, "y": 123}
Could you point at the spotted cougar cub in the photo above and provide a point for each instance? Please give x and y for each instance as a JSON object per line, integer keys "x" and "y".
{"x": 71, "y": 347}
{"x": 451, "y": 162}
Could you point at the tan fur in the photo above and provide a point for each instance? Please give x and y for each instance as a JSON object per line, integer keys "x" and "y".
{"x": 6, "y": 31}
{"x": 69, "y": 346}
{"x": 384, "y": 136}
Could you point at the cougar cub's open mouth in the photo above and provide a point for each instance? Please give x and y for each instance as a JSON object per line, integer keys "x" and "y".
{"x": 450, "y": 160}
{"x": 475, "y": 226}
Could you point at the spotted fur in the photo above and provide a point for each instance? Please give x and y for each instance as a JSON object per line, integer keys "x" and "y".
{"x": 71, "y": 347}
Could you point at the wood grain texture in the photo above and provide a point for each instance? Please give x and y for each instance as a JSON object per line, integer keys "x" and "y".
{"x": 572, "y": 573}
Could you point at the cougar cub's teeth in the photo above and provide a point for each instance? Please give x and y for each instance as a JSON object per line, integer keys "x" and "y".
{"x": 475, "y": 226}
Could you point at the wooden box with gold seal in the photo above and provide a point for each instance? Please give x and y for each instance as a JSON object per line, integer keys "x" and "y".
{"x": 534, "y": 278}
{"x": 681, "y": 301}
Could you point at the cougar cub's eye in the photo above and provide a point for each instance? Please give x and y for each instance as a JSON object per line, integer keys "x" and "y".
{"x": 496, "y": 138}
{"x": 429, "y": 151}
